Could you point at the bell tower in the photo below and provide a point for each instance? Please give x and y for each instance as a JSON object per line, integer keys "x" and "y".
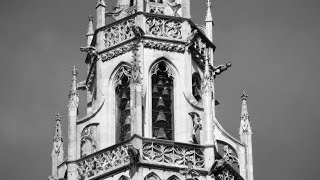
{"x": 150, "y": 100}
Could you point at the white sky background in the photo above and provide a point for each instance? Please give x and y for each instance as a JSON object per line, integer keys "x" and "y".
{"x": 273, "y": 46}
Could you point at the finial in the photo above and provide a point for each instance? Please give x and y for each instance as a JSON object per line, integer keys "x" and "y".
{"x": 209, "y": 15}
{"x": 57, "y": 117}
{"x": 244, "y": 96}
{"x": 74, "y": 72}
{"x": 90, "y": 17}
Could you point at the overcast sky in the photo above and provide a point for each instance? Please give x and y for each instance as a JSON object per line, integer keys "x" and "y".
{"x": 272, "y": 44}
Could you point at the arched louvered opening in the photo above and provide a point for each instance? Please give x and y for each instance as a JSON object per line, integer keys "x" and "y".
{"x": 196, "y": 86}
{"x": 122, "y": 92}
{"x": 162, "y": 101}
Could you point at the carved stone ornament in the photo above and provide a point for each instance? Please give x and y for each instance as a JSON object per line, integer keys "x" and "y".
{"x": 230, "y": 156}
{"x": 117, "y": 51}
{"x": 88, "y": 140}
{"x": 122, "y": 71}
{"x": 164, "y": 46}
{"x": 207, "y": 85}
{"x": 190, "y": 173}
{"x": 244, "y": 122}
{"x": 119, "y": 33}
{"x": 173, "y": 154}
{"x": 167, "y": 70}
{"x": 102, "y": 162}
{"x": 226, "y": 175}
{"x": 135, "y": 67}
{"x": 164, "y": 27}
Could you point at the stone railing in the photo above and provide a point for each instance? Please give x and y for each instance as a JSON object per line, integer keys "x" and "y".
{"x": 159, "y": 26}
{"x": 119, "y": 32}
{"x": 172, "y": 154}
{"x": 103, "y": 161}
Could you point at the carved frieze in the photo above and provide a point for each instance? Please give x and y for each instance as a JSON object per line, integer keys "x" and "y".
{"x": 102, "y": 162}
{"x": 119, "y": 33}
{"x": 117, "y": 51}
{"x": 163, "y": 27}
{"x": 173, "y": 154}
{"x": 164, "y": 46}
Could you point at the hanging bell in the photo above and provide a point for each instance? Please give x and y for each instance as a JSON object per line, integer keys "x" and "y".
{"x": 161, "y": 119}
{"x": 155, "y": 91}
{"x": 167, "y": 82}
{"x": 127, "y": 107}
{"x": 165, "y": 92}
{"x": 161, "y": 134}
{"x": 124, "y": 96}
{"x": 127, "y": 121}
{"x": 160, "y": 104}
{"x": 160, "y": 83}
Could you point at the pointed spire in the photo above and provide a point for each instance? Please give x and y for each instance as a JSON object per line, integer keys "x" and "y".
{"x": 58, "y": 132}
{"x": 209, "y": 15}
{"x": 90, "y": 26}
{"x": 244, "y": 119}
{"x": 74, "y": 99}
{"x": 57, "y": 154}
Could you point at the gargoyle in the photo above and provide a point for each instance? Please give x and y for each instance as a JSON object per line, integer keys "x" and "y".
{"x": 134, "y": 154}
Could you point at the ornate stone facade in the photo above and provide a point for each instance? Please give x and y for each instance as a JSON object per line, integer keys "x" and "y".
{"x": 150, "y": 101}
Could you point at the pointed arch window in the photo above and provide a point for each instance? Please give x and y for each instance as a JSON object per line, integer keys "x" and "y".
{"x": 152, "y": 176}
{"x": 196, "y": 86}
{"x": 131, "y": 3}
{"x": 122, "y": 91}
{"x": 162, "y": 101}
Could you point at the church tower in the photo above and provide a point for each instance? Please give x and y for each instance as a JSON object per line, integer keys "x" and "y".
{"x": 150, "y": 101}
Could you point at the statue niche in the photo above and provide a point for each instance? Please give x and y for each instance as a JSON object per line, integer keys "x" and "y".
{"x": 196, "y": 127}
{"x": 88, "y": 140}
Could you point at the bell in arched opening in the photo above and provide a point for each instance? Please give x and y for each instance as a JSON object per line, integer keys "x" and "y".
{"x": 155, "y": 91}
{"x": 161, "y": 104}
{"x": 127, "y": 107}
{"x": 160, "y": 83}
{"x": 124, "y": 97}
{"x": 165, "y": 92}
{"x": 127, "y": 121}
{"x": 161, "y": 134}
{"x": 161, "y": 120}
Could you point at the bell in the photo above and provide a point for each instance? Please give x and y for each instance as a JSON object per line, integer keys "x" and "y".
{"x": 167, "y": 82}
{"x": 160, "y": 83}
{"x": 124, "y": 97}
{"x": 161, "y": 119}
{"x": 155, "y": 91}
{"x": 127, "y": 107}
{"x": 127, "y": 121}
{"x": 160, "y": 104}
{"x": 165, "y": 92}
{"x": 161, "y": 134}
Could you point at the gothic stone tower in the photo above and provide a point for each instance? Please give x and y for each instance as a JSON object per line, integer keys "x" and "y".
{"x": 150, "y": 101}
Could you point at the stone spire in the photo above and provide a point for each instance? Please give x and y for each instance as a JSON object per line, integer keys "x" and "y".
{"x": 245, "y": 127}
{"x": 90, "y": 31}
{"x": 246, "y": 136}
{"x": 207, "y": 134}
{"x": 57, "y": 154}
{"x": 72, "y": 127}
{"x": 209, "y": 15}
{"x": 209, "y": 28}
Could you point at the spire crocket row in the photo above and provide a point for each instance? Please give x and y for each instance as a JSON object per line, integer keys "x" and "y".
{"x": 145, "y": 117}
